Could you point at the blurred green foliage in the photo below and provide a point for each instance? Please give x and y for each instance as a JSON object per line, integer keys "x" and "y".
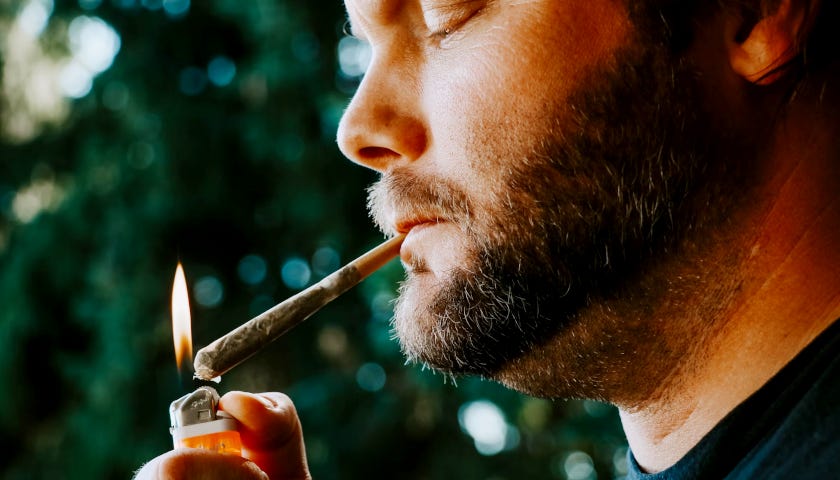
{"x": 210, "y": 140}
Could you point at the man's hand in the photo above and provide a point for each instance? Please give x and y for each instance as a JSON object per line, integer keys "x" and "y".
{"x": 272, "y": 445}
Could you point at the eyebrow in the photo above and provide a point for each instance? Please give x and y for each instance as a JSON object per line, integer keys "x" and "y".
{"x": 375, "y": 8}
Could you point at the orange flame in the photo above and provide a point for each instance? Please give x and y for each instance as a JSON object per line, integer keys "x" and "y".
{"x": 181, "y": 322}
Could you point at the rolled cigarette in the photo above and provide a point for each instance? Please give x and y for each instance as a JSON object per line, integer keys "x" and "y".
{"x": 250, "y": 337}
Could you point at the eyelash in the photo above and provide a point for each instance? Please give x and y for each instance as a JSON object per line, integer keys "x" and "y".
{"x": 346, "y": 30}
{"x": 443, "y": 33}
{"x": 454, "y": 25}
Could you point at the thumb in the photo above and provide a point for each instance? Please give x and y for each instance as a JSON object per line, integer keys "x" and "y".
{"x": 197, "y": 464}
{"x": 272, "y": 436}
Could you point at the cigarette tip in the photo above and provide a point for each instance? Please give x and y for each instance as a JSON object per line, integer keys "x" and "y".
{"x": 216, "y": 379}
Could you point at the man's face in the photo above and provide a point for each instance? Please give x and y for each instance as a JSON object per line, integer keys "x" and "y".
{"x": 536, "y": 153}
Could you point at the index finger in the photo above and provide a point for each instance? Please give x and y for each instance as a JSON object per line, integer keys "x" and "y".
{"x": 272, "y": 436}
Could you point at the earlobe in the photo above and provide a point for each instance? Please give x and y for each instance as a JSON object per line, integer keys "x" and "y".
{"x": 761, "y": 54}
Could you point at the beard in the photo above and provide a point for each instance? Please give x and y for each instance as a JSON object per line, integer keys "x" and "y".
{"x": 622, "y": 172}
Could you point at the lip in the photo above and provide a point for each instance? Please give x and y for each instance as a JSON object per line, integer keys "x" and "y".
{"x": 414, "y": 231}
{"x": 410, "y": 225}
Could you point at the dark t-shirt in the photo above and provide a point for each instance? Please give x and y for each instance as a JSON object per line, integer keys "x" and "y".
{"x": 789, "y": 429}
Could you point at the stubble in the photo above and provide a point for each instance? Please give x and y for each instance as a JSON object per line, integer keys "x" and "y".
{"x": 619, "y": 175}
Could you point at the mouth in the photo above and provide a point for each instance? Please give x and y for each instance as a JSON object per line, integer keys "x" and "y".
{"x": 415, "y": 250}
{"x": 407, "y": 226}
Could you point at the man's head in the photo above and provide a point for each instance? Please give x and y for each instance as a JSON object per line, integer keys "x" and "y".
{"x": 547, "y": 159}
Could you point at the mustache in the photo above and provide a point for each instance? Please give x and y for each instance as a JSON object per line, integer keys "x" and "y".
{"x": 401, "y": 196}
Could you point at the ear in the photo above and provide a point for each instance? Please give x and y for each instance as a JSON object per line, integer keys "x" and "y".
{"x": 760, "y": 54}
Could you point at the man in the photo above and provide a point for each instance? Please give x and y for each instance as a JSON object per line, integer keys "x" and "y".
{"x": 628, "y": 201}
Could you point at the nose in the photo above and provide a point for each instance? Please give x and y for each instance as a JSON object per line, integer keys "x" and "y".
{"x": 384, "y": 124}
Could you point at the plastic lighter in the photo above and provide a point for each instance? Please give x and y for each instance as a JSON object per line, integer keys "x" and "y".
{"x": 197, "y": 423}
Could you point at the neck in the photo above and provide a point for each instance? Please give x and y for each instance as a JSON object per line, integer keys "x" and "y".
{"x": 788, "y": 293}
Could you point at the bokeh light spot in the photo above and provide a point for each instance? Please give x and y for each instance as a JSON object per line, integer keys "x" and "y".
{"x": 192, "y": 81}
{"x": 535, "y": 414}
{"x": 33, "y": 18}
{"x": 596, "y": 409}
{"x": 152, "y": 5}
{"x": 94, "y": 43}
{"x": 382, "y": 306}
{"x": 485, "y": 422}
{"x": 176, "y": 8}
{"x": 332, "y": 342}
{"x": 353, "y": 56}
{"x": 619, "y": 461}
{"x": 43, "y": 194}
{"x": 325, "y": 260}
{"x": 371, "y": 377}
{"x": 141, "y": 155}
{"x": 75, "y": 80}
{"x": 208, "y": 291}
{"x": 252, "y": 269}
{"x": 221, "y": 71}
{"x": 579, "y": 466}
{"x": 89, "y": 4}
{"x": 295, "y": 273}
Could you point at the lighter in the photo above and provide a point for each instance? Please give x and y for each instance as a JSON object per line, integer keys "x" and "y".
{"x": 197, "y": 423}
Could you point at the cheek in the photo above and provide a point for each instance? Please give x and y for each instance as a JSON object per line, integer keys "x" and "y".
{"x": 477, "y": 116}
{"x": 490, "y": 96}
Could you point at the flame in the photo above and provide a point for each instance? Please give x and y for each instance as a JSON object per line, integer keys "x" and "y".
{"x": 181, "y": 322}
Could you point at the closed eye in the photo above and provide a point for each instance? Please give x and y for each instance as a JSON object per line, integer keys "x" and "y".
{"x": 444, "y": 18}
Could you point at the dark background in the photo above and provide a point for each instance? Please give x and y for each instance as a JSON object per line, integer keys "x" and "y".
{"x": 210, "y": 140}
